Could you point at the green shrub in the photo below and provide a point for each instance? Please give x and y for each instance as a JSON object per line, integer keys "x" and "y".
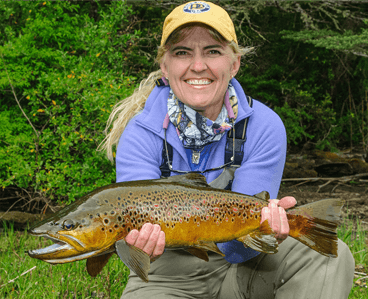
{"x": 67, "y": 71}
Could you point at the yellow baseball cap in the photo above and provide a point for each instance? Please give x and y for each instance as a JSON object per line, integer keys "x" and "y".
{"x": 201, "y": 12}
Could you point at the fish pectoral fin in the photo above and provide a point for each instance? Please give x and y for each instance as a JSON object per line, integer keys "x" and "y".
{"x": 262, "y": 239}
{"x": 210, "y": 246}
{"x": 95, "y": 264}
{"x": 263, "y": 195}
{"x": 134, "y": 258}
{"x": 200, "y": 253}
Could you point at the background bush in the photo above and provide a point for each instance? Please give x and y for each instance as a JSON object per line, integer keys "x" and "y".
{"x": 68, "y": 63}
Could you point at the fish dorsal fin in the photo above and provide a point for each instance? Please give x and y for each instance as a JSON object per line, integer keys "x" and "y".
{"x": 134, "y": 258}
{"x": 262, "y": 239}
{"x": 263, "y": 195}
{"x": 95, "y": 264}
{"x": 193, "y": 179}
{"x": 224, "y": 178}
{"x": 200, "y": 253}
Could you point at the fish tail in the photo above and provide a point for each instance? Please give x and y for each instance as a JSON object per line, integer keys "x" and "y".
{"x": 315, "y": 225}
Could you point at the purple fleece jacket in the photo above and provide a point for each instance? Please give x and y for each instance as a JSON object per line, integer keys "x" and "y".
{"x": 139, "y": 152}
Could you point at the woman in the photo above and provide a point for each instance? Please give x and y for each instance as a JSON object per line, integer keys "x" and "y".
{"x": 195, "y": 104}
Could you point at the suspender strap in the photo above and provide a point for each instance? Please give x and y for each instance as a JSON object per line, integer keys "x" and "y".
{"x": 165, "y": 171}
{"x": 240, "y": 138}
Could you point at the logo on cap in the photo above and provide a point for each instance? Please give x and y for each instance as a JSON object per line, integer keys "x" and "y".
{"x": 196, "y": 7}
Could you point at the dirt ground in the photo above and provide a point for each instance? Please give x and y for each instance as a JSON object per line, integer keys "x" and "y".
{"x": 355, "y": 196}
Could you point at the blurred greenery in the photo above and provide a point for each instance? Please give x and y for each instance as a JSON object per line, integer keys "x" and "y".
{"x": 69, "y": 62}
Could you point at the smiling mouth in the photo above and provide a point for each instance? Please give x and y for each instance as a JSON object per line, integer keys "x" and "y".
{"x": 199, "y": 82}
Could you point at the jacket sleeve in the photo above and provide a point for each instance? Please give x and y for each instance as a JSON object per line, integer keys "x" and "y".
{"x": 138, "y": 155}
{"x": 261, "y": 170}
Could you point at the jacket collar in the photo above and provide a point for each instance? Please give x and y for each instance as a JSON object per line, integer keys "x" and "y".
{"x": 155, "y": 110}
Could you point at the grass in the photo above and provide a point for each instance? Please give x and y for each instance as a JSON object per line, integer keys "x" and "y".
{"x": 72, "y": 280}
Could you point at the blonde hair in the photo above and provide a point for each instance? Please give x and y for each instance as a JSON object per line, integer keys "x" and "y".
{"x": 126, "y": 109}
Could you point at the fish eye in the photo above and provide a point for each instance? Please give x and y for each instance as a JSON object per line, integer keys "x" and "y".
{"x": 68, "y": 224}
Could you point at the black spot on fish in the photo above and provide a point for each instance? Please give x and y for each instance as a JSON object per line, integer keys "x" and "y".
{"x": 80, "y": 226}
{"x": 98, "y": 215}
{"x": 119, "y": 198}
{"x": 91, "y": 216}
{"x": 106, "y": 201}
{"x": 105, "y": 213}
{"x": 116, "y": 226}
{"x": 112, "y": 212}
{"x": 106, "y": 220}
{"x": 128, "y": 229}
{"x": 123, "y": 225}
{"x": 103, "y": 229}
{"x": 119, "y": 218}
{"x": 110, "y": 230}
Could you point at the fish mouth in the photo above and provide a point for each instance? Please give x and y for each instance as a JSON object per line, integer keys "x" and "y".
{"x": 57, "y": 247}
{"x": 62, "y": 252}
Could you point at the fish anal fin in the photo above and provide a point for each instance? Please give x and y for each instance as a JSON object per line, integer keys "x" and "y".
{"x": 262, "y": 195}
{"x": 200, "y": 253}
{"x": 134, "y": 258}
{"x": 95, "y": 264}
{"x": 211, "y": 246}
{"x": 262, "y": 239}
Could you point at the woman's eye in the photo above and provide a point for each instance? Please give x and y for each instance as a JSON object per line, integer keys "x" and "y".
{"x": 214, "y": 52}
{"x": 180, "y": 53}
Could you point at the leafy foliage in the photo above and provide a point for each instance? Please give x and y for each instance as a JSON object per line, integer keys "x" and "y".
{"x": 70, "y": 62}
{"x": 66, "y": 70}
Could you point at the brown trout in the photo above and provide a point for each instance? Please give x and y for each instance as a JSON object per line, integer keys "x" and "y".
{"x": 193, "y": 215}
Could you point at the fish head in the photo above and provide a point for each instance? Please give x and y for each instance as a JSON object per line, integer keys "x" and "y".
{"x": 80, "y": 231}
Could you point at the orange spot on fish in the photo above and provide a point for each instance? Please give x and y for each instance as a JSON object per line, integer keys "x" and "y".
{"x": 175, "y": 206}
{"x": 256, "y": 203}
{"x": 188, "y": 215}
{"x": 207, "y": 217}
{"x": 180, "y": 220}
{"x": 226, "y": 219}
{"x": 168, "y": 213}
{"x": 251, "y": 211}
{"x": 216, "y": 209}
{"x": 156, "y": 206}
{"x": 235, "y": 209}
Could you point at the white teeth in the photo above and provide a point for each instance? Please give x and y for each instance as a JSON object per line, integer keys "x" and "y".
{"x": 199, "y": 82}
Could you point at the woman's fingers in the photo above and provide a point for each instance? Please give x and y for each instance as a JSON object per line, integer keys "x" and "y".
{"x": 287, "y": 202}
{"x": 160, "y": 245}
{"x": 132, "y": 236}
{"x": 150, "y": 239}
{"x": 276, "y": 215}
{"x": 145, "y": 236}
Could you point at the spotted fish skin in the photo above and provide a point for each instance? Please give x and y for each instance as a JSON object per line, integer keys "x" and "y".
{"x": 186, "y": 213}
{"x": 190, "y": 212}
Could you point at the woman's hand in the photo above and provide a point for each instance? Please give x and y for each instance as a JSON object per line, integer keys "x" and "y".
{"x": 276, "y": 215}
{"x": 151, "y": 239}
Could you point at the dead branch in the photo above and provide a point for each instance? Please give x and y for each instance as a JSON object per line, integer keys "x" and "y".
{"x": 342, "y": 179}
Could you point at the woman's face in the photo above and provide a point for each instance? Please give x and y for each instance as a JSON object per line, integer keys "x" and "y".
{"x": 199, "y": 69}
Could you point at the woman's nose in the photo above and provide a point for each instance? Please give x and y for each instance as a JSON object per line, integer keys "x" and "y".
{"x": 198, "y": 63}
